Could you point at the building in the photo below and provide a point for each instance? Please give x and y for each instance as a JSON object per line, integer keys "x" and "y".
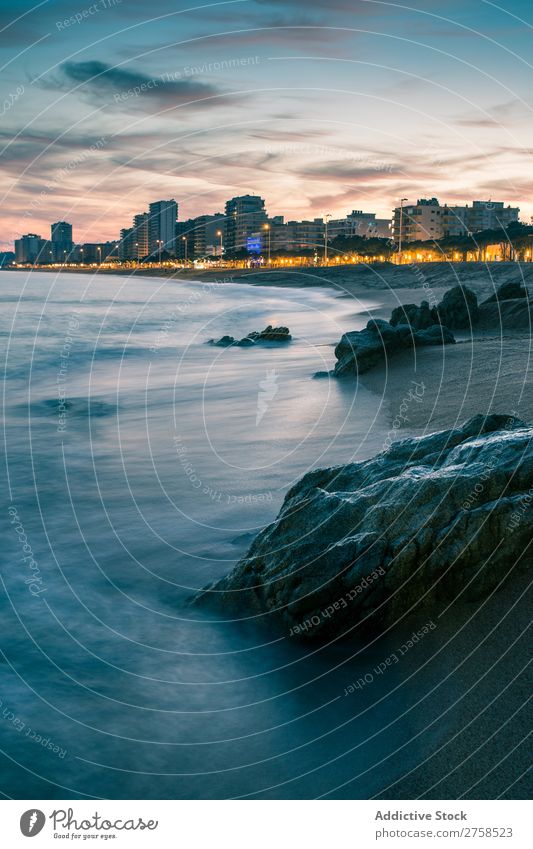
{"x": 61, "y": 238}
{"x": 162, "y": 219}
{"x": 305, "y": 235}
{"x": 6, "y": 258}
{"x": 94, "y": 253}
{"x": 427, "y": 219}
{"x": 245, "y": 220}
{"x": 140, "y": 228}
{"x": 127, "y": 248}
{"x": 32, "y": 248}
{"x": 198, "y": 238}
{"x": 418, "y": 222}
{"x": 482, "y": 215}
{"x": 359, "y": 223}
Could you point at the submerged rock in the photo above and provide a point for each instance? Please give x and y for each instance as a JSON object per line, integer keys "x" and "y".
{"x": 269, "y": 334}
{"x": 223, "y": 342}
{"x": 429, "y": 520}
{"x": 361, "y": 350}
{"x": 272, "y": 334}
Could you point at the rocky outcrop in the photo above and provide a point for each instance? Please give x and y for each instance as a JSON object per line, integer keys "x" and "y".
{"x": 429, "y": 520}
{"x": 269, "y": 334}
{"x": 361, "y": 350}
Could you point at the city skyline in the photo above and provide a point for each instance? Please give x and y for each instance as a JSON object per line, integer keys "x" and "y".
{"x": 280, "y": 100}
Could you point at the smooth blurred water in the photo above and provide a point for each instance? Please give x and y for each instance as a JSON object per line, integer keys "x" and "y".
{"x": 152, "y": 484}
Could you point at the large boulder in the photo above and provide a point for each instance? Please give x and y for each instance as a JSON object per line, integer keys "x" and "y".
{"x": 431, "y": 519}
{"x": 458, "y": 308}
{"x": 361, "y": 350}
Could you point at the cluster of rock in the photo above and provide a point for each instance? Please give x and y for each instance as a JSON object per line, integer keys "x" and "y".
{"x": 457, "y": 310}
{"x": 428, "y": 520}
{"x": 509, "y": 307}
{"x": 361, "y": 350}
{"x": 412, "y": 326}
{"x": 269, "y": 334}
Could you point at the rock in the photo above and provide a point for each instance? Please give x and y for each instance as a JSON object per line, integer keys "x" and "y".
{"x": 508, "y": 292}
{"x": 275, "y": 334}
{"x": 269, "y": 334}
{"x": 419, "y": 318}
{"x": 434, "y": 335}
{"x": 506, "y": 315}
{"x": 361, "y": 350}
{"x": 431, "y": 519}
{"x": 458, "y": 308}
{"x": 224, "y": 342}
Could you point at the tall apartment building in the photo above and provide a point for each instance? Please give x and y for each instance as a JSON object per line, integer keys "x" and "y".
{"x": 61, "y": 239}
{"x": 127, "y": 249}
{"x": 140, "y": 228}
{"x": 32, "y": 248}
{"x": 162, "y": 219}
{"x": 245, "y": 219}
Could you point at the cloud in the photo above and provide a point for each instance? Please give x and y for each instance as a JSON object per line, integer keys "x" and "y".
{"x": 106, "y": 84}
{"x": 503, "y": 114}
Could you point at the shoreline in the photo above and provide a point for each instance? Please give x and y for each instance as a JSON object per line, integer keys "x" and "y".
{"x": 369, "y": 275}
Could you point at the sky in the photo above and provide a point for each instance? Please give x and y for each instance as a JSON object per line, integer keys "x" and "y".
{"x": 319, "y": 106}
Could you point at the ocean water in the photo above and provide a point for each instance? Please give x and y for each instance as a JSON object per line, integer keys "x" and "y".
{"x": 140, "y": 463}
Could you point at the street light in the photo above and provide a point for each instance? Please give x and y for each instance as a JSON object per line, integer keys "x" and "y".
{"x": 184, "y": 240}
{"x": 267, "y": 228}
{"x": 159, "y": 249}
{"x": 219, "y": 233}
{"x": 402, "y": 200}
{"x": 99, "y": 249}
{"x": 326, "y": 217}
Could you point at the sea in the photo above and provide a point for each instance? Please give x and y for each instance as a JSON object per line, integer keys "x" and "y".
{"x": 140, "y": 462}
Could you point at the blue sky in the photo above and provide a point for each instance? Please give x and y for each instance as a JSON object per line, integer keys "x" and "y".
{"x": 317, "y": 106}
